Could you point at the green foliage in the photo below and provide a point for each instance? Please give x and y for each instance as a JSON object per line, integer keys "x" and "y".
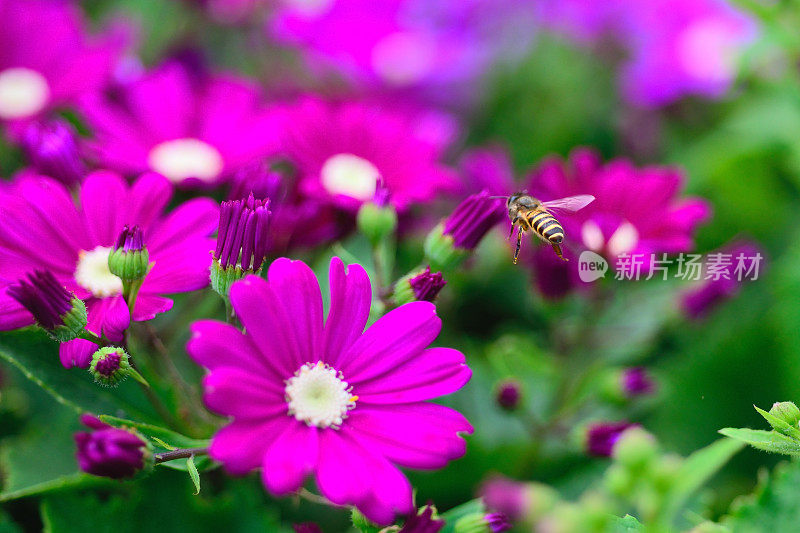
{"x": 775, "y": 506}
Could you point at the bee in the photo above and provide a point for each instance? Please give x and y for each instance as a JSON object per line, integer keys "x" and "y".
{"x": 530, "y": 214}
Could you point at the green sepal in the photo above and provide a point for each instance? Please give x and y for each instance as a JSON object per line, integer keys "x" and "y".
{"x": 129, "y": 266}
{"x": 223, "y": 278}
{"x": 440, "y": 251}
{"x": 74, "y": 322}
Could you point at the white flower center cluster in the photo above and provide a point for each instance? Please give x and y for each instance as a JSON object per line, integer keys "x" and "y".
{"x": 23, "y": 93}
{"x": 624, "y": 239}
{"x": 318, "y": 396}
{"x": 350, "y": 175}
{"x": 92, "y": 273}
{"x": 181, "y": 159}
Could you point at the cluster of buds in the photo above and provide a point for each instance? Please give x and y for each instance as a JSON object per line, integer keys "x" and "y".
{"x": 420, "y": 285}
{"x": 56, "y": 310}
{"x": 111, "y": 452}
{"x": 450, "y": 242}
{"x": 241, "y": 241}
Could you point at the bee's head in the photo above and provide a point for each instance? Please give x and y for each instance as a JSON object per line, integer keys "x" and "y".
{"x": 513, "y": 198}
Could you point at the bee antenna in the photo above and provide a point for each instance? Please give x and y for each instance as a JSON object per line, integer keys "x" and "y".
{"x": 502, "y": 197}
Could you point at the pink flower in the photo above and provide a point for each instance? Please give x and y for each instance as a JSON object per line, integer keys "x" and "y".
{"x": 429, "y": 50}
{"x": 191, "y": 127}
{"x": 42, "y": 228}
{"x": 323, "y": 397}
{"x": 46, "y": 60}
{"x": 636, "y": 210}
{"x": 343, "y": 150}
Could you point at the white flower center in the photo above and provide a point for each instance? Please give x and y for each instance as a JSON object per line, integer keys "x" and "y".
{"x": 92, "y": 273}
{"x": 181, "y": 159}
{"x": 403, "y": 58}
{"x": 23, "y": 93}
{"x": 623, "y": 240}
{"x": 708, "y": 51}
{"x": 318, "y": 396}
{"x": 350, "y": 175}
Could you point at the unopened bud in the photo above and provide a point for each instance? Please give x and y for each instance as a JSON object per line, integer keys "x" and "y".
{"x": 111, "y": 452}
{"x": 508, "y": 394}
{"x": 129, "y": 260}
{"x": 786, "y": 411}
{"x": 54, "y": 308}
{"x": 376, "y": 222}
{"x": 635, "y": 448}
{"x": 482, "y": 523}
{"x": 418, "y": 286}
{"x": 111, "y": 365}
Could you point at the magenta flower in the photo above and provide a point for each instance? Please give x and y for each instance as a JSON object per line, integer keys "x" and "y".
{"x": 637, "y": 381}
{"x": 107, "y": 451}
{"x": 323, "y": 397}
{"x": 675, "y": 47}
{"x": 507, "y": 496}
{"x": 343, "y": 150}
{"x": 432, "y": 50}
{"x": 42, "y": 228}
{"x": 188, "y": 126}
{"x": 46, "y": 60}
{"x": 52, "y": 149}
{"x": 488, "y": 169}
{"x": 636, "y": 210}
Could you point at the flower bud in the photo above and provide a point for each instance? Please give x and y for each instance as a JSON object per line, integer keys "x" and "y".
{"x": 426, "y": 520}
{"x": 482, "y": 523}
{"x": 635, "y": 448}
{"x": 56, "y": 310}
{"x": 111, "y": 452}
{"x": 111, "y": 365}
{"x": 786, "y": 411}
{"x": 129, "y": 260}
{"x": 377, "y": 219}
{"x": 418, "y": 286}
{"x": 600, "y": 438}
{"x": 52, "y": 149}
{"x": 241, "y": 241}
{"x": 449, "y": 242}
{"x": 622, "y": 385}
{"x": 508, "y": 394}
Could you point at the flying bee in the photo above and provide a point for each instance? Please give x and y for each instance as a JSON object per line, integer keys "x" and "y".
{"x": 530, "y": 214}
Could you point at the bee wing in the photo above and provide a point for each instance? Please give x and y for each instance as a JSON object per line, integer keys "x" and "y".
{"x": 570, "y": 204}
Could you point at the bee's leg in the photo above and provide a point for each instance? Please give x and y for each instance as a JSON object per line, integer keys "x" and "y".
{"x": 557, "y": 249}
{"x": 511, "y": 233}
{"x": 519, "y": 244}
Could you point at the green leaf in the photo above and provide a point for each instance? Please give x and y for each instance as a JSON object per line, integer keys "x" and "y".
{"x": 71, "y": 481}
{"x": 775, "y": 506}
{"x": 626, "y": 524}
{"x": 193, "y": 473}
{"x": 695, "y": 471}
{"x": 768, "y": 441}
{"x": 780, "y": 425}
{"x": 164, "y": 437}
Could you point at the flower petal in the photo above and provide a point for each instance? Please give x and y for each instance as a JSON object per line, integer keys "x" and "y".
{"x": 198, "y": 217}
{"x": 148, "y": 197}
{"x": 234, "y": 392}
{"x": 108, "y": 316}
{"x": 418, "y": 435}
{"x": 241, "y": 445}
{"x": 104, "y": 199}
{"x": 351, "y": 297}
{"x": 77, "y": 353}
{"x": 216, "y": 344}
{"x": 395, "y": 338}
{"x": 150, "y": 305}
{"x": 12, "y": 314}
{"x": 291, "y": 458}
{"x": 433, "y": 373}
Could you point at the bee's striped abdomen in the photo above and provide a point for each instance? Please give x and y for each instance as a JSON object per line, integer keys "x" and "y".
{"x": 547, "y": 227}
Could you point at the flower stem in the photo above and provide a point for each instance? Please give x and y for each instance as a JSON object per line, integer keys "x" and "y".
{"x": 166, "y": 415}
{"x": 131, "y": 291}
{"x": 179, "y": 454}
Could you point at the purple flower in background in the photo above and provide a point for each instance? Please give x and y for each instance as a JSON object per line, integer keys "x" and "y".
{"x": 601, "y": 437}
{"x": 488, "y": 169}
{"x": 107, "y": 451}
{"x": 675, "y": 47}
{"x": 636, "y": 210}
{"x": 497, "y": 522}
{"x": 637, "y": 381}
{"x": 52, "y": 148}
{"x": 192, "y": 127}
{"x": 342, "y": 151}
{"x": 506, "y": 496}
{"x": 42, "y": 228}
{"x": 508, "y": 394}
{"x": 736, "y": 263}
{"x": 46, "y": 60}
{"x": 318, "y": 397}
{"x": 432, "y": 50}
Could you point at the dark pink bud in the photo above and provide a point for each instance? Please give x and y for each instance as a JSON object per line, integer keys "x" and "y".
{"x": 472, "y": 219}
{"x": 508, "y": 394}
{"x": 601, "y": 438}
{"x": 108, "y": 451}
{"x": 427, "y": 285}
{"x": 243, "y": 233}
{"x": 637, "y": 382}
